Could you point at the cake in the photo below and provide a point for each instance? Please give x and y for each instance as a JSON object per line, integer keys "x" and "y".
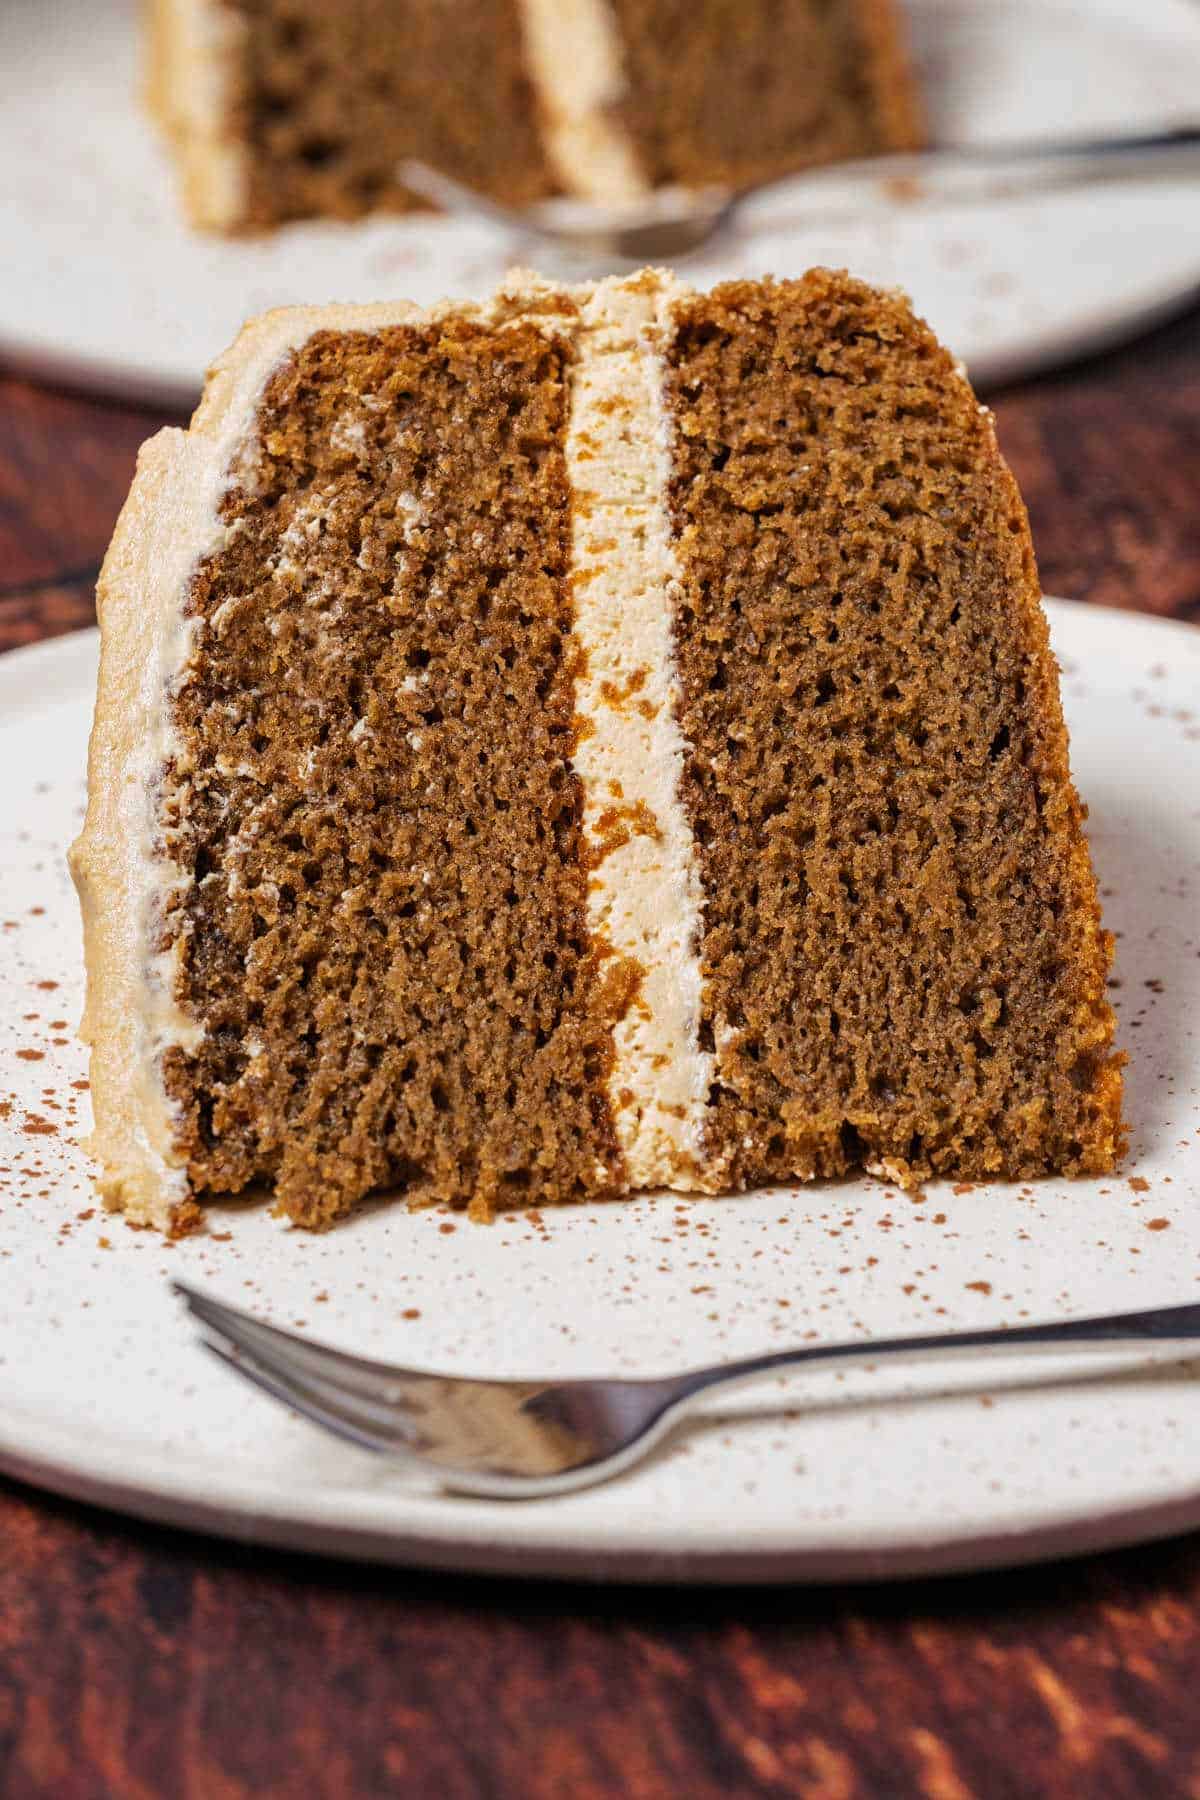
{"x": 291, "y": 109}
{"x": 600, "y": 739}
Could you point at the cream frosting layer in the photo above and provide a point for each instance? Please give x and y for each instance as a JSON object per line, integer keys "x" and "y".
{"x": 644, "y": 895}
{"x": 644, "y": 901}
{"x": 574, "y": 56}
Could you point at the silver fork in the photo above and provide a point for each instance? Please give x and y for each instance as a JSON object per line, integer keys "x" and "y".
{"x": 522, "y": 1440}
{"x": 671, "y": 223}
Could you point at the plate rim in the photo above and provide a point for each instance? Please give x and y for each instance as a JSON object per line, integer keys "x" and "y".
{"x": 561, "y": 1556}
{"x": 157, "y": 388}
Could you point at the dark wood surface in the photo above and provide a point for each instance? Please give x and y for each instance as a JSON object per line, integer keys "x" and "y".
{"x": 138, "y": 1663}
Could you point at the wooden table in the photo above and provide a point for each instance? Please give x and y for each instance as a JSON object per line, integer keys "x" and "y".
{"x": 137, "y": 1663}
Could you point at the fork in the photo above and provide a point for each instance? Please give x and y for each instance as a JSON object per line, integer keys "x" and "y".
{"x": 671, "y": 223}
{"x": 526, "y": 1440}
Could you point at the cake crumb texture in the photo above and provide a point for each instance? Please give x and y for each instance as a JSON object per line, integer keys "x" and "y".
{"x": 903, "y": 960}
{"x": 288, "y": 109}
{"x": 382, "y": 921}
{"x": 326, "y": 100}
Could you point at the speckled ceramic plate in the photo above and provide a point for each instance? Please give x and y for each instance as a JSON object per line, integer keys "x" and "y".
{"x": 104, "y": 1394}
{"x": 104, "y": 281}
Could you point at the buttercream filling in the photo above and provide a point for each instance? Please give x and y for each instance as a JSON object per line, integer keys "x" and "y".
{"x": 573, "y": 49}
{"x": 644, "y": 895}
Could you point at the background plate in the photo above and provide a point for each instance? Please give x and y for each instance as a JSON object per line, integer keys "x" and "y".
{"x": 105, "y": 1395}
{"x": 104, "y": 282}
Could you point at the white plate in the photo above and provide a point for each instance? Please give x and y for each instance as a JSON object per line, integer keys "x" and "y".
{"x": 105, "y": 1395}
{"x": 104, "y": 282}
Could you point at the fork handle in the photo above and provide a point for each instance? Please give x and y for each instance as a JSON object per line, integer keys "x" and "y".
{"x": 999, "y": 158}
{"x": 1116, "y": 1331}
{"x": 1096, "y": 158}
{"x": 1179, "y": 137}
{"x": 949, "y": 173}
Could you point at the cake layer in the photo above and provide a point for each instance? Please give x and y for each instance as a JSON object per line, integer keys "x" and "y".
{"x": 290, "y": 109}
{"x": 711, "y": 100}
{"x": 903, "y": 962}
{"x": 386, "y": 940}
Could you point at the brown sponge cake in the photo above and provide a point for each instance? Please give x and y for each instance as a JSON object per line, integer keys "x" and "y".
{"x": 290, "y": 109}
{"x": 601, "y": 739}
{"x": 903, "y": 960}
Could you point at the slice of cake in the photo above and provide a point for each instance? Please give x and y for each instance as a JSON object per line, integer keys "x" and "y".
{"x": 601, "y": 739}
{"x": 290, "y": 109}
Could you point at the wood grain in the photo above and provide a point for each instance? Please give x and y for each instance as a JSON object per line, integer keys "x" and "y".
{"x": 138, "y": 1663}
{"x": 1108, "y": 458}
{"x": 66, "y": 463}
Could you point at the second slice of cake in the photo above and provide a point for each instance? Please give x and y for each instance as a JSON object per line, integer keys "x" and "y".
{"x": 294, "y": 109}
{"x": 601, "y": 739}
